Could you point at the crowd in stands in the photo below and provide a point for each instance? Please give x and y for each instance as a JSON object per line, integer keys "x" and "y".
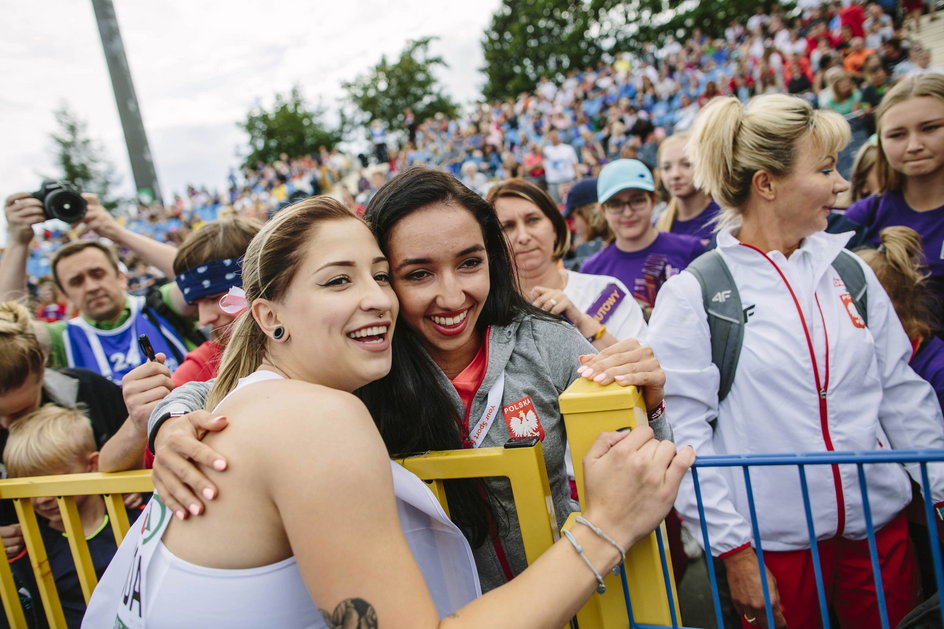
{"x": 591, "y": 183}
{"x": 841, "y": 57}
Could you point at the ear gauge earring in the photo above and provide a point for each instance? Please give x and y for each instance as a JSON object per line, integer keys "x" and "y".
{"x": 278, "y": 333}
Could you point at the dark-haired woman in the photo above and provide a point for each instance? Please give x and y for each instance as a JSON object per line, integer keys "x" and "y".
{"x": 465, "y": 326}
{"x": 468, "y": 345}
{"x": 315, "y": 524}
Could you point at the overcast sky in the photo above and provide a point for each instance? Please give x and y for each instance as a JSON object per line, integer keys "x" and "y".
{"x": 198, "y": 66}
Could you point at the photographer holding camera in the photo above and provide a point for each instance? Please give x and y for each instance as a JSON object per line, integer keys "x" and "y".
{"x": 103, "y": 338}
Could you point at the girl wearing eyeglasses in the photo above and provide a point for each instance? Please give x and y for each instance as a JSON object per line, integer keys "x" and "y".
{"x": 638, "y": 255}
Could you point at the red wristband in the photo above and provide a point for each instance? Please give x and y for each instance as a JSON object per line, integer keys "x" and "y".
{"x": 656, "y": 414}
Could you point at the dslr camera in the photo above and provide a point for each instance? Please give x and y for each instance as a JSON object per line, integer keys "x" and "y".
{"x": 61, "y": 200}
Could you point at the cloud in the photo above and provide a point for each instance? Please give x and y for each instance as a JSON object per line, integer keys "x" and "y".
{"x": 198, "y": 67}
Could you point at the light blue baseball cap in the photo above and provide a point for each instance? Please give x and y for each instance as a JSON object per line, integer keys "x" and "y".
{"x": 622, "y": 174}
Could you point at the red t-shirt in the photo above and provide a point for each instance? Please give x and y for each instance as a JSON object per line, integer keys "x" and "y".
{"x": 199, "y": 365}
{"x": 468, "y": 382}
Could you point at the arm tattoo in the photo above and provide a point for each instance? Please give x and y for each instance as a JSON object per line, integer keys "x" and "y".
{"x": 351, "y": 613}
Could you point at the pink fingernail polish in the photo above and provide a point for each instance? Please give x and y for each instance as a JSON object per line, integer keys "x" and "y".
{"x": 195, "y": 509}
{"x": 181, "y": 514}
{"x": 588, "y": 373}
{"x": 208, "y": 493}
{"x": 600, "y": 377}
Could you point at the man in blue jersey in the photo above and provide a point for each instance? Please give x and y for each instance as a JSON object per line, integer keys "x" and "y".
{"x": 103, "y": 338}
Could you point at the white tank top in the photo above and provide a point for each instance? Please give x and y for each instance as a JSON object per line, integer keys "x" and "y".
{"x": 148, "y": 586}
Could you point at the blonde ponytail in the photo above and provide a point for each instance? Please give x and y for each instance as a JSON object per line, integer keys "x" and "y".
{"x": 21, "y": 354}
{"x": 668, "y": 216}
{"x": 900, "y": 266}
{"x": 731, "y": 142}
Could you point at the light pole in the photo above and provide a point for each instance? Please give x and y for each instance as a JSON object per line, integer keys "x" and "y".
{"x": 142, "y": 166}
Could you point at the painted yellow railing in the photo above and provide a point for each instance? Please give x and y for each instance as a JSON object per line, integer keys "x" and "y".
{"x": 110, "y": 486}
{"x": 588, "y": 409}
{"x": 523, "y": 467}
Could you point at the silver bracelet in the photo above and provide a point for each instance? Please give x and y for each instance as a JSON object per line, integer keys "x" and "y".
{"x": 596, "y": 529}
{"x": 601, "y": 587}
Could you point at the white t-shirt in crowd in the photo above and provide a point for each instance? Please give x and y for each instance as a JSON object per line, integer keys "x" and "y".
{"x": 560, "y": 163}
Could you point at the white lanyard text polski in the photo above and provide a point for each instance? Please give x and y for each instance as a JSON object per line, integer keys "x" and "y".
{"x": 492, "y": 408}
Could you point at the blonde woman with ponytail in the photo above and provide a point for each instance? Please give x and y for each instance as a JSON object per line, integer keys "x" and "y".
{"x": 811, "y": 376}
{"x": 316, "y": 526}
{"x": 690, "y": 210}
{"x": 900, "y": 266}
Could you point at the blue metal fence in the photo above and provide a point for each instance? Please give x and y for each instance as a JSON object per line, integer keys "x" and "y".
{"x": 801, "y": 461}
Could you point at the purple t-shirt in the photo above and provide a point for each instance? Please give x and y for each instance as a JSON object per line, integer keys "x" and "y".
{"x": 700, "y": 226}
{"x": 929, "y": 364}
{"x": 893, "y": 210}
{"x": 644, "y": 272}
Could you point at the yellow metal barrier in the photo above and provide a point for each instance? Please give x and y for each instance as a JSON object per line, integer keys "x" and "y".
{"x": 110, "y": 486}
{"x": 525, "y": 470}
{"x": 590, "y": 409}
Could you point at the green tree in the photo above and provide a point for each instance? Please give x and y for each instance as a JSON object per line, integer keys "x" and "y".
{"x": 79, "y": 159}
{"x": 528, "y": 39}
{"x": 291, "y": 126}
{"x": 391, "y": 86}
{"x": 625, "y": 25}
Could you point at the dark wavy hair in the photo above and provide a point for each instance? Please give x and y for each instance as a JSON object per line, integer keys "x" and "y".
{"x": 411, "y": 415}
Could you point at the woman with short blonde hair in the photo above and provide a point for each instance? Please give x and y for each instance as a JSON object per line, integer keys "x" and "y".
{"x": 813, "y": 375}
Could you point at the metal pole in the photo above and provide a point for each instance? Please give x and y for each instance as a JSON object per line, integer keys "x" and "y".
{"x": 142, "y": 166}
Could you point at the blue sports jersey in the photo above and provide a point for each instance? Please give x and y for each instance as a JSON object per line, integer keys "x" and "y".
{"x": 113, "y": 353}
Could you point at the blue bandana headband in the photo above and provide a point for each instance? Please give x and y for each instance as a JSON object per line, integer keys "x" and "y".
{"x": 210, "y": 278}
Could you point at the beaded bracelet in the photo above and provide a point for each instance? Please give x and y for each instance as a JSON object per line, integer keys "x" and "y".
{"x": 601, "y": 587}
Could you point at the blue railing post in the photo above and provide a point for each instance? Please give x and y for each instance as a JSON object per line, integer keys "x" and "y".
{"x": 801, "y": 461}
{"x": 814, "y": 549}
{"x": 758, "y": 547}
{"x": 666, "y": 576}
{"x": 873, "y": 547}
{"x": 931, "y": 521}
{"x": 709, "y": 561}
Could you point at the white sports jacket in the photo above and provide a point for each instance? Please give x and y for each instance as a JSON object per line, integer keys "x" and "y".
{"x": 811, "y": 382}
